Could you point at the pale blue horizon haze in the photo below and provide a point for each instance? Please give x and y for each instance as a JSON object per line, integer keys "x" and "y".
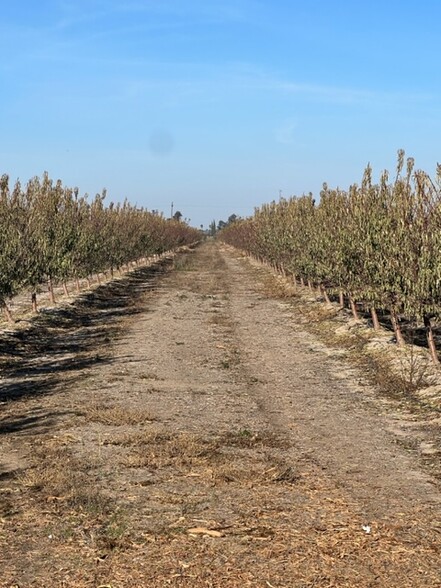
{"x": 216, "y": 106}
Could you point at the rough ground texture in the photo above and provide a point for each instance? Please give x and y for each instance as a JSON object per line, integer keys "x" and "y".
{"x": 182, "y": 427}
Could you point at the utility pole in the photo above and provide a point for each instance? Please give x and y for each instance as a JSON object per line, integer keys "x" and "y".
{"x": 171, "y": 215}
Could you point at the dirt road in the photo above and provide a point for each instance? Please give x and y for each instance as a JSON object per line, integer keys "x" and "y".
{"x": 181, "y": 428}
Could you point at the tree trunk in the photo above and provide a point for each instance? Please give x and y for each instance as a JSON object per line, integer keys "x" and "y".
{"x": 65, "y": 290}
{"x": 397, "y": 329}
{"x": 431, "y": 340}
{"x": 302, "y": 282}
{"x": 50, "y": 288}
{"x": 325, "y": 295}
{"x": 77, "y": 281}
{"x": 354, "y": 308}
{"x": 311, "y": 289}
{"x": 375, "y": 321}
{"x": 89, "y": 283}
{"x": 341, "y": 299}
{"x": 34, "y": 302}
{"x": 7, "y": 313}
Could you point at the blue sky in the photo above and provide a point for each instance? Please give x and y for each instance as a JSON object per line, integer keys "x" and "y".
{"x": 216, "y": 105}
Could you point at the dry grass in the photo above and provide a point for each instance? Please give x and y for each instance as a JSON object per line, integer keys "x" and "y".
{"x": 60, "y": 478}
{"x": 256, "y": 473}
{"x": 117, "y": 415}
{"x": 237, "y": 473}
{"x": 400, "y": 385}
{"x": 223, "y": 458}
{"x": 396, "y": 373}
{"x": 138, "y": 438}
{"x": 274, "y": 286}
{"x": 248, "y": 439}
{"x": 156, "y": 449}
{"x": 184, "y": 263}
{"x": 293, "y": 529}
{"x": 65, "y": 502}
{"x": 149, "y": 376}
{"x": 179, "y": 444}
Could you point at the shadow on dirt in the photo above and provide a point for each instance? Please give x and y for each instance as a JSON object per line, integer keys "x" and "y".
{"x": 61, "y": 342}
{"x": 29, "y": 422}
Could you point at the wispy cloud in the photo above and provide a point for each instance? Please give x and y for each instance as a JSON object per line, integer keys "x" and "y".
{"x": 215, "y": 10}
{"x": 189, "y": 81}
{"x": 242, "y": 77}
{"x": 71, "y": 14}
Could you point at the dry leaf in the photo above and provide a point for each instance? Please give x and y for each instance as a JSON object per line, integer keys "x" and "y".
{"x": 204, "y": 531}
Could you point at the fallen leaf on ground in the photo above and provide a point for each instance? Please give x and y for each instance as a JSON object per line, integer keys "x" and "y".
{"x": 204, "y": 531}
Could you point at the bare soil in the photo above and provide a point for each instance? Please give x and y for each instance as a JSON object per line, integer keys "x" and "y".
{"x": 190, "y": 424}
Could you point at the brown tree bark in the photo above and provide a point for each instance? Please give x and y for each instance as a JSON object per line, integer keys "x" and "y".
{"x": 375, "y": 321}
{"x": 397, "y": 329}
{"x": 34, "y": 302}
{"x": 354, "y": 308}
{"x": 65, "y": 290}
{"x": 341, "y": 298}
{"x": 7, "y": 312}
{"x": 325, "y": 295}
{"x": 431, "y": 340}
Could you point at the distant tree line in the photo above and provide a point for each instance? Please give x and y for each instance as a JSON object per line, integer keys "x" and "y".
{"x": 214, "y": 228}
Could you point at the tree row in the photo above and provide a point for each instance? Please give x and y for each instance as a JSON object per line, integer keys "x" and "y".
{"x": 375, "y": 244}
{"x": 49, "y": 233}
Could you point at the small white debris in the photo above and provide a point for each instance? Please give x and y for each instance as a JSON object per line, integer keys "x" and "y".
{"x": 366, "y": 528}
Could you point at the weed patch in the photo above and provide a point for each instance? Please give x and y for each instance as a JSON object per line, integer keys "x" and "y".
{"x": 246, "y": 438}
{"x": 116, "y": 415}
{"x": 60, "y": 478}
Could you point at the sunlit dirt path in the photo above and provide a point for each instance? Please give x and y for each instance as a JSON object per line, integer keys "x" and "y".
{"x": 190, "y": 432}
